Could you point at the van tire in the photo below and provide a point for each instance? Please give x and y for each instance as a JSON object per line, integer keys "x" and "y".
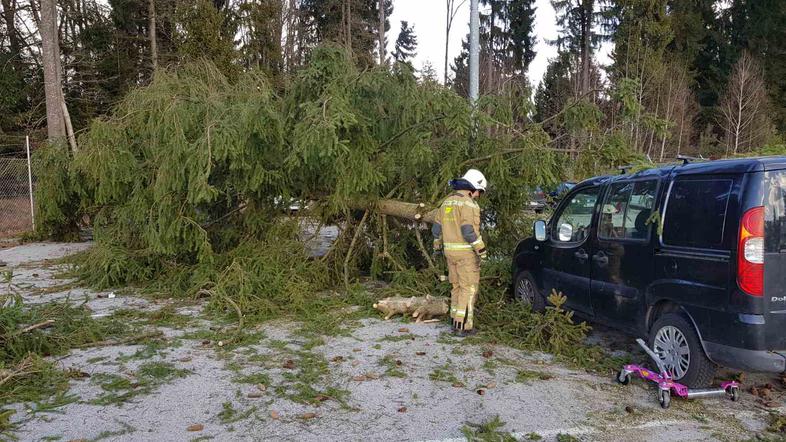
{"x": 701, "y": 371}
{"x": 522, "y": 285}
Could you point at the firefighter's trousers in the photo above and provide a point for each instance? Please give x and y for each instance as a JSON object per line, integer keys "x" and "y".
{"x": 464, "y": 276}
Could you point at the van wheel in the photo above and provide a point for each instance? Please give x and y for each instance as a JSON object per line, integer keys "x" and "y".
{"x": 674, "y": 339}
{"x": 526, "y": 291}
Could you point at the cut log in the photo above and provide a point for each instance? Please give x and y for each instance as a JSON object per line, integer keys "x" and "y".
{"x": 420, "y": 307}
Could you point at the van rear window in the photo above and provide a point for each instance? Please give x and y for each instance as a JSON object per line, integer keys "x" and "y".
{"x": 775, "y": 213}
{"x": 696, "y": 213}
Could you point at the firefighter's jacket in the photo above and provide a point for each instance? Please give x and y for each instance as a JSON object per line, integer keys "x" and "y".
{"x": 457, "y": 226}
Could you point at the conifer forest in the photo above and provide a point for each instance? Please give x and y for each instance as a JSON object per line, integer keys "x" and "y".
{"x": 206, "y": 146}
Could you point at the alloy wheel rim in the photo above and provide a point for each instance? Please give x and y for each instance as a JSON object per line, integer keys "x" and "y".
{"x": 525, "y": 291}
{"x": 672, "y": 348}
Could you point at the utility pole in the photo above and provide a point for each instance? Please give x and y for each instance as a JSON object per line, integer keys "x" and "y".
{"x": 474, "y": 52}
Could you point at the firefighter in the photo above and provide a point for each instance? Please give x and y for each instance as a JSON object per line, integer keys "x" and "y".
{"x": 456, "y": 233}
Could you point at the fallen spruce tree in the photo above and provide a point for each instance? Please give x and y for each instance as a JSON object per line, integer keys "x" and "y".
{"x": 189, "y": 184}
{"x": 193, "y": 168}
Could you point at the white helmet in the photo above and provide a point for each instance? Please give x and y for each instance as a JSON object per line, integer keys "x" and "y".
{"x": 476, "y": 179}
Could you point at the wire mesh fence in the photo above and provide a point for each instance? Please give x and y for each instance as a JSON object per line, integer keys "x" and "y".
{"x": 16, "y": 212}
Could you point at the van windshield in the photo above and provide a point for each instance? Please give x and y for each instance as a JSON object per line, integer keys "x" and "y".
{"x": 775, "y": 214}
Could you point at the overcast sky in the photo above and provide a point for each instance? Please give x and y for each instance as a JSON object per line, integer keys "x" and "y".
{"x": 428, "y": 17}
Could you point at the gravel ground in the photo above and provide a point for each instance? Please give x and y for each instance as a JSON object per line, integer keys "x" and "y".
{"x": 412, "y": 382}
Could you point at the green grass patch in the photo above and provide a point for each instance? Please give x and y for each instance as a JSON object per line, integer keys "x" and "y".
{"x": 253, "y": 378}
{"x": 490, "y": 365}
{"x": 487, "y": 432}
{"x": 226, "y": 339}
{"x": 393, "y": 366}
{"x": 306, "y": 381}
{"x": 398, "y": 338}
{"x": 166, "y": 316}
{"x": 527, "y": 376}
{"x": 119, "y": 389}
{"x": 444, "y": 374}
{"x": 109, "y": 434}
{"x": 229, "y": 415}
{"x": 447, "y": 338}
{"x": 148, "y": 351}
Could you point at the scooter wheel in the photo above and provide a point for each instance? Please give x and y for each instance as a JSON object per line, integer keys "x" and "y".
{"x": 664, "y": 397}
{"x": 734, "y": 394}
{"x": 623, "y": 378}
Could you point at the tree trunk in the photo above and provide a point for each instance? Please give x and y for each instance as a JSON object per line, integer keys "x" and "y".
{"x": 291, "y": 20}
{"x": 53, "y": 87}
{"x": 36, "y": 15}
{"x": 348, "y": 24}
{"x": 381, "y": 31}
{"x": 447, "y": 39}
{"x": 68, "y": 126}
{"x": 151, "y": 12}
{"x": 586, "y": 46}
{"x": 411, "y": 211}
{"x": 9, "y": 14}
{"x": 490, "y": 86}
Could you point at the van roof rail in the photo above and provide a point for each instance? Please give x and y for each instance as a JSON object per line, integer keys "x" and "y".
{"x": 687, "y": 160}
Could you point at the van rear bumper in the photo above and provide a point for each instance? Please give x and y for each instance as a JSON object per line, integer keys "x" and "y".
{"x": 747, "y": 360}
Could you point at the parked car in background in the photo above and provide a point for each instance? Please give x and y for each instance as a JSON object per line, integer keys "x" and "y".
{"x": 561, "y": 189}
{"x": 691, "y": 257}
{"x": 538, "y": 201}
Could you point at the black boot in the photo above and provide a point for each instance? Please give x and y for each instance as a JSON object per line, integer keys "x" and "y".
{"x": 471, "y": 332}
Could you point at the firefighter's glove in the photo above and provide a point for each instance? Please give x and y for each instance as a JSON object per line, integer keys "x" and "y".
{"x": 483, "y": 254}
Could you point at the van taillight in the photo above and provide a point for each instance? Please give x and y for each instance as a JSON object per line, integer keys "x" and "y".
{"x": 750, "y": 252}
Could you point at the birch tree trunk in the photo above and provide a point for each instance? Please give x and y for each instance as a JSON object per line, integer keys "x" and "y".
{"x": 743, "y": 107}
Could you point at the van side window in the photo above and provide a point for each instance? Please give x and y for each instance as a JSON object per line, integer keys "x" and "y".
{"x": 627, "y": 209}
{"x": 696, "y": 213}
{"x": 573, "y": 223}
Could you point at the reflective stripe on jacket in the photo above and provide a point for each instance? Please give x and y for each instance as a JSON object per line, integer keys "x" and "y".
{"x": 458, "y": 224}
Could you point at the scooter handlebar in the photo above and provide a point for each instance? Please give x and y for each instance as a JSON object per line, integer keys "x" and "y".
{"x": 652, "y": 355}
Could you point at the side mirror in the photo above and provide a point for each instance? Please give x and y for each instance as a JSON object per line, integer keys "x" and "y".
{"x": 540, "y": 230}
{"x": 565, "y": 232}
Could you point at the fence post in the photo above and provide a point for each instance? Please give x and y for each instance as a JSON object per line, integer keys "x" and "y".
{"x": 30, "y": 181}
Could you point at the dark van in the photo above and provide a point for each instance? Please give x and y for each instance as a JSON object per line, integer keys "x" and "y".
{"x": 691, "y": 257}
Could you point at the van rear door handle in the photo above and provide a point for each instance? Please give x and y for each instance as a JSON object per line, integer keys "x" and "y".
{"x": 581, "y": 255}
{"x": 600, "y": 259}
